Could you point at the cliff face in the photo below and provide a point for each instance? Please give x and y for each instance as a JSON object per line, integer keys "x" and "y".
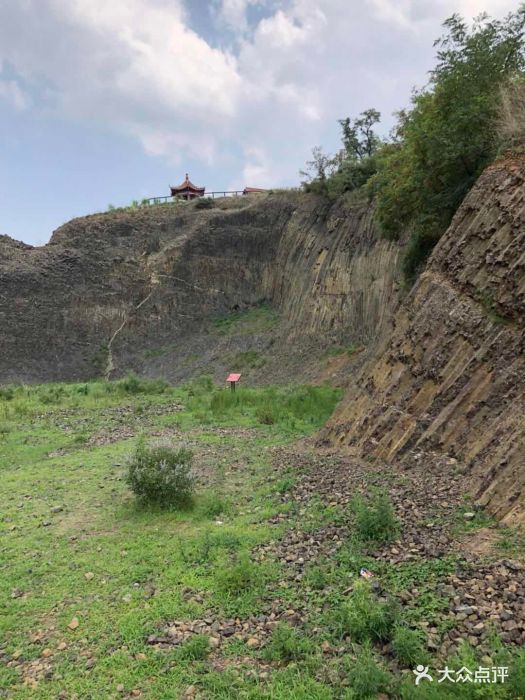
{"x": 452, "y": 378}
{"x": 110, "y": 289}
{"x": 443, "y": 371}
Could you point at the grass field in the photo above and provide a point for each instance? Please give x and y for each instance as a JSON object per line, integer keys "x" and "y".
{"x": 101, "y": 597}
{"x": 76, "y": 546}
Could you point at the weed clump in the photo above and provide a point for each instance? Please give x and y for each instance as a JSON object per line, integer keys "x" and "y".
{"x": 375, "y": 519}
{"x": 408, "y": 646}
{"x": 366, "y": 677}
{"x": 265, "y": 415}
{"x": 211, "y": 505}
{"x": 132, "y": 384}
{"x": 287, "y": 644}
{"x": 364, "y": 618}
{"x": 161, "y": 475}
{"x": 239, "y": 577}
{"x": 196, "y": 648}
{"x": 204, "y": 203}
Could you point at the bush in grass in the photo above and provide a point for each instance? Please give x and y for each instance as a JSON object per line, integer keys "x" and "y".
{"x": 408, "y": 646}
{"x": 375, "y": 519}
{"x": 200, "y": 386}
{"x": 517, "y": 674}
{"x": 265, "y": 415}
{"x": 204, "y": 203}
{"x": 365, "y": 618}
{"x": 366, "y": 677}
{"x": 7, "y": 393}
{"x": 161, "y": 475}
{"x": 287, "y": 644}
{"x": 132, "y": 384}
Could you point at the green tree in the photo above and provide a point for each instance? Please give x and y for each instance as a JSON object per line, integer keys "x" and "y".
{"x": 353, "y": 165}
{"x": 448, "y": 136}
{"x": 359, "y": 139}
{"x": 319, "y": 168}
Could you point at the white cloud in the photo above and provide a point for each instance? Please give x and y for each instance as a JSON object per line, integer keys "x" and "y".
{"x": 257, "y": 169}
{"x": 11, "y": 91}
{"x": 133, "y": 64}
{"x": 233, "y": 13}
{"x": 136, "y": 66}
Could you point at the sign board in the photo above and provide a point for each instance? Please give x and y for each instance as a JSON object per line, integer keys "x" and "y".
{"x": 233, "y": 377}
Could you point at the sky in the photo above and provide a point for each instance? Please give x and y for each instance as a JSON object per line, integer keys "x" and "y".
{"x": 108, "y": 102}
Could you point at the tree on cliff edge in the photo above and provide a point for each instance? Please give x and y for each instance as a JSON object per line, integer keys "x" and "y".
{"x": 449, "y": 135}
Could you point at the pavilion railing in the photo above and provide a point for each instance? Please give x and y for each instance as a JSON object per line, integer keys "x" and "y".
{"x": 209, "y": 195}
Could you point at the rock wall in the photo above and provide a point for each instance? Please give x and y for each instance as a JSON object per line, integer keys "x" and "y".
{"x": 443, "y": 371}
{"x": 452, "y": 377}
{"x": 108, "y": 287}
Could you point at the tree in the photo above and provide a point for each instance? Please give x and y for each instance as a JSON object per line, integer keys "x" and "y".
{"x": 449, "y": 135}
{"x": 353, "y": 165}
{"x": 359, "y": 139}
{"x": 320, "y": 168}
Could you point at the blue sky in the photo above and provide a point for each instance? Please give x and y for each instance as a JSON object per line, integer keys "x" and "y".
{"x": 103, "y": 103}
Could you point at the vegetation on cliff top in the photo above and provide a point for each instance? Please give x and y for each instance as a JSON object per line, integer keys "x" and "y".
{"x": 455, "y": 126}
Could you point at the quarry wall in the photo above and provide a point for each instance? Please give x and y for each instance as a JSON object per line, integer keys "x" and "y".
{"x": 443, "y": 368}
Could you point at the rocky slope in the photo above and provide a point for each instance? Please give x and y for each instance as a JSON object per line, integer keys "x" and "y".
{"x": 140, "y": 289}
{"x": 452, "y": 378}
{"x": 441, "y": 371}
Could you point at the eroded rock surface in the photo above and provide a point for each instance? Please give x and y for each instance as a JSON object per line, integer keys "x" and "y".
{"x": 109, "y": 290}
{"x": 452, "y": 377}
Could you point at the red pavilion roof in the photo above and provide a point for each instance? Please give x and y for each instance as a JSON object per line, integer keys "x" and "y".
{"x": 186, "y": 186}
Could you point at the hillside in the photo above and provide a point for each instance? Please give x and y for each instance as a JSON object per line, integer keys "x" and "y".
{"x": 146, "y": 286}
{"x": 256, "y": 589}
{"x": 289, "y": 286}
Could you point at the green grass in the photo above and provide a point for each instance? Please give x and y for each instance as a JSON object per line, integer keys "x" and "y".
{"x": 258, "y": 319}
{"x": 67, "y": 512}
{"x": 338, "y": 350}
{"x": 76, "y": 543}
{"x": 365, "y": 618}
{"x": 250, "y": 359}
{"x": 512, "y": 542}
{"x": 375, "y": 520}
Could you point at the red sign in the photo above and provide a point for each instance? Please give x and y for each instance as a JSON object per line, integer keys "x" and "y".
{"x": 233, "y": 377}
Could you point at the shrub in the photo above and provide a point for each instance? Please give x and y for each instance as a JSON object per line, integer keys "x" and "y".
{"x": 287, "y": 644}
{"x": 7, "y": 393}
{"x": 417, "y": 252}
{"x": 364, "y": 617}
{"x": 132, "y": 384}
{"x": 408, "y": 646}
{"x": 374, "y": 520}
{"x": 366, "y": 677}
{"x": 265, "y": 415}
{"x": 446, "y": 137}
{"x": 204, "y": 203}
{"x": 517, "y": 674}
{"x": 161, "y": 475}
{"x": 200, "y": 386}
